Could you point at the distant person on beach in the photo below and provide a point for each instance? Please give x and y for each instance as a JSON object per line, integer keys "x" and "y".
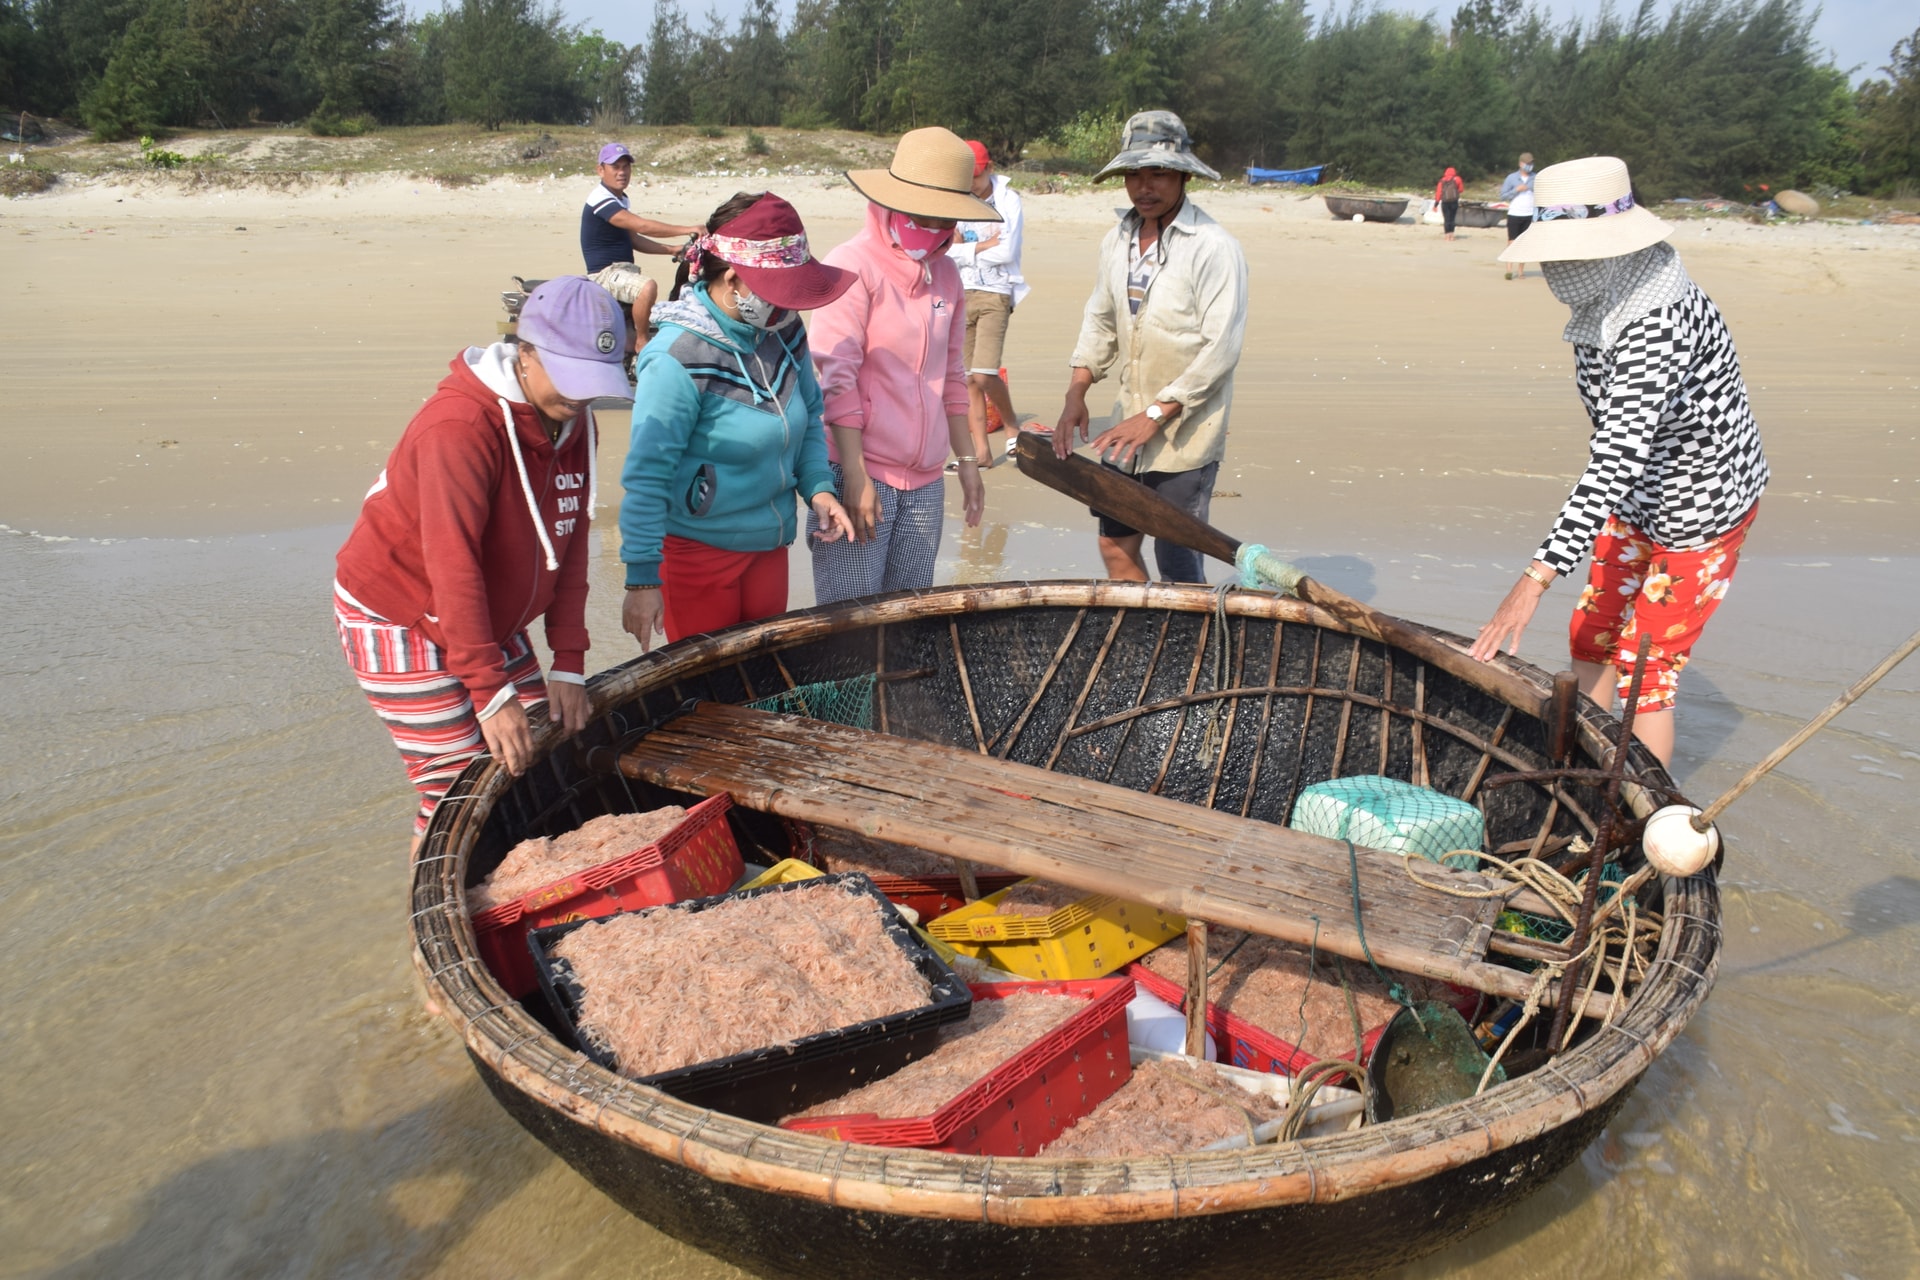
{"x": 1517, "y": 191}
{"x": 610, "y": 232}
{"x": 988, "y": 256}
{"x": 477, "y": 526}
{"x": 889, "y": 355}
{"x": 727, "y": 428}
{"x": 1446, "y": 194}
{"x": 1170, "y": 308}
{"x": 1675, "y": 467}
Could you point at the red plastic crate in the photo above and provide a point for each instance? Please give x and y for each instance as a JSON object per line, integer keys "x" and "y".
{"x": 1253, "y": 1048}
{"x": 933, "y": 896}
{"x": 1027, "y": 1101}
{"x": 696, "y": 859}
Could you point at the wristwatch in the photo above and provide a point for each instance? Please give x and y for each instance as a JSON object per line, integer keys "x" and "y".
{"x": 1155, "y": 414}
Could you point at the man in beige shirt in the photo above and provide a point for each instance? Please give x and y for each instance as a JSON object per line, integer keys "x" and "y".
{"x": 1170, "y": 308}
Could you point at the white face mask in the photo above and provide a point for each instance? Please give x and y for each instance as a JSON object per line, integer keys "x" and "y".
{"x": 757, "y": 311}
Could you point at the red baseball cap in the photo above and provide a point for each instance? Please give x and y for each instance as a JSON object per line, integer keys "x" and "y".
{"x": 980, "y": 157}
{"x": 766, "y": 243}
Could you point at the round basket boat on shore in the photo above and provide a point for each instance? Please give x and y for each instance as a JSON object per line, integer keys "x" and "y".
{"x": 1114, "y": 682}
{"x": 1368, "y": 208}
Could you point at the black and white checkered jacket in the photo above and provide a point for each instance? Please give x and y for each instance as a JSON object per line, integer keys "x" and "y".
{"x": 1675, "y": 450}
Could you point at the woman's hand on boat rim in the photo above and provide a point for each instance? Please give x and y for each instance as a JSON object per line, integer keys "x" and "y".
{"x": 1509, "y": 620}
{"x": 509, "y": 740}
{"x": 642, "y": 614}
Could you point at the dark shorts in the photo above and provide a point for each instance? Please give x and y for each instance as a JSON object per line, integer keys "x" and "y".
{"x": 1192, "y": 492}
{"x": 1515, "y": 225}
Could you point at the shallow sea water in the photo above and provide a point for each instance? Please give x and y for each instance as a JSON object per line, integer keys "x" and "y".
{"x": 216, "y": 1064}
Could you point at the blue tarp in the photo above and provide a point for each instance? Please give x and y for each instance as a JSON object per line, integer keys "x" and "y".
{"x": 1300, "y": 177}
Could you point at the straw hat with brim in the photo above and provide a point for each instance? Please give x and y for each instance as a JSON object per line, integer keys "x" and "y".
{"x": 1584, "y": 209}
{"x": 931, "y": 177}
{"x": 766, "y": 246}
{"x": 1156, "y": 140}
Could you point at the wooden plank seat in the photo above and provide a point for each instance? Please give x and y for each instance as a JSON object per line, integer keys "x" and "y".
{"x": 1088, "y": 835}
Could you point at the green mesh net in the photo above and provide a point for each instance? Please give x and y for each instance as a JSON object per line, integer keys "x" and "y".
{"x": 1399, "y": 817}
{"x": 848, "y": 702}
{"x": 1550, "y": 928}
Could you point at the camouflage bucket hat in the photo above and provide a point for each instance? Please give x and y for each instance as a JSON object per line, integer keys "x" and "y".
{"x": 1156, "y": 140}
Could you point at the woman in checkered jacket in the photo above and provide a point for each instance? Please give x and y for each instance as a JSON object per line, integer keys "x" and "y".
{"x": 1675, "y": 470}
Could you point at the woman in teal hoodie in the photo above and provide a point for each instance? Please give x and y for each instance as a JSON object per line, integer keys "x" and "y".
{"x": 727, "y": 429}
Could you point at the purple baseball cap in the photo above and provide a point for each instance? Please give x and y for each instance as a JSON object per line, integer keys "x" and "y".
{"x": 614, "y": 151}
{"x": 577, "y": 328}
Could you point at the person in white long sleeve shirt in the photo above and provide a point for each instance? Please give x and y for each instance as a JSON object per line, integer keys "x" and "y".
{"x": 988, "y": 255}
{"x": 1168, "y": 313}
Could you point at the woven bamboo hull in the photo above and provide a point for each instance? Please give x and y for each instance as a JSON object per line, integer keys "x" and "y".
{"x": 776, "y": 1235}
{"x": 1036, "y": 663}
{"x": 1474, "y": 214}
{"x": 1372, "y": 208}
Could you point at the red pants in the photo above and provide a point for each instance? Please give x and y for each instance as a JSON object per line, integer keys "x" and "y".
{"x": 1637, "y": 586}
{"x": 706, "y": 588}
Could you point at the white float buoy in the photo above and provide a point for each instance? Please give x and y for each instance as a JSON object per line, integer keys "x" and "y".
{"x": 1674, "y": 846}
{"x": 1359, "y": 217}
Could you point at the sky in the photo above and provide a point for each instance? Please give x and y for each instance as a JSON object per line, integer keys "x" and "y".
{"x": 1860, "y": 33}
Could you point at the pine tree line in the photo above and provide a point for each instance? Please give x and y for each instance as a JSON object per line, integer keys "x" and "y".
{"x": 1707, "y": 95}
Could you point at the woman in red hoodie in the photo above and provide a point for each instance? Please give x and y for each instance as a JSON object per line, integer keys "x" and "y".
{"x": 477, "y": 526}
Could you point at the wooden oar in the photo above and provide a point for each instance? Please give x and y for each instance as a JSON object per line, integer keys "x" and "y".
{"x": 1132, "y": 503}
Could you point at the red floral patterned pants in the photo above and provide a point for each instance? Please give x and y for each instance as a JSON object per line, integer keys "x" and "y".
{"x": 1638, "y": 586}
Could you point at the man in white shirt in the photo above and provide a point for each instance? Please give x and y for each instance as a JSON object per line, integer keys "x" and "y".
{"x": 988, "y": 255}
{"x": 1517, "y": 191}
{"x": 1169, "y": 312}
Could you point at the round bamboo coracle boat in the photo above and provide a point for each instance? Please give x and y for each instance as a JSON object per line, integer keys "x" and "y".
{"x": 1369, "y": 208}
{"x": 1474, "y": 213}
{"x": 1231, "y": 704}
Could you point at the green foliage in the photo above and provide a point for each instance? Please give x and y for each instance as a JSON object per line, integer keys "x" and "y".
{"x": 344, "y": 54}
{"x": 666, "y": 95}
{"x": 608, "y": 74}
{"x": 507, "y": 60}
{"x": 156, "y": 76}
{"x": 1697, "y": 95}
{"x": 1890, "y": 123}
{"x": 757, "y": 144}
{"x": 324, "y": 125}
{"x": 155, "y": 156}
{"x": 1090, "y": 139}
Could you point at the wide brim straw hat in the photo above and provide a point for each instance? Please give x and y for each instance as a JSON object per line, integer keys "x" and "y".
{"x": 1585, "y": 209}
{"x": 1156, "y": 140}
{"x": 766, "y": 245}
{"x": 931, "y": 177}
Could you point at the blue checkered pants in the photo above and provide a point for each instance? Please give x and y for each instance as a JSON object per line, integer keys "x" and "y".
{"x": 901, "y": 555}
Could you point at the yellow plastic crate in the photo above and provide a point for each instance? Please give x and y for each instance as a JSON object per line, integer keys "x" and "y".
{"x": 783, "y": 872}
{"x": 1091, "y": 938}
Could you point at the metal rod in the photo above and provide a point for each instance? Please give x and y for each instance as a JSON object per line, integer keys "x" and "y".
{"x": 1705, "y": 819}
{"x": 1590, "y": 892}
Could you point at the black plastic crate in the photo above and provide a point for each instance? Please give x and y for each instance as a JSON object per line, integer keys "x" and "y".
{"x": 766, "y": 1084}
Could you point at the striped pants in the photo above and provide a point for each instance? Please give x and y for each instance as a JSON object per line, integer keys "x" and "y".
{"x": 424, "y": 706}
{"x": 901, "y": 555}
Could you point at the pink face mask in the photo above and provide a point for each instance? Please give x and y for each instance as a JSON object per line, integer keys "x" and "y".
{"x": 914, "y": 240}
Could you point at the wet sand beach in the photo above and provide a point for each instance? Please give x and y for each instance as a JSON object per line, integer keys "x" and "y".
{"x": 215, "y": 1061}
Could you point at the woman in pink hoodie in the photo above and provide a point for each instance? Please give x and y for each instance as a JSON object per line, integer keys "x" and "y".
{"x": 888, "y": 355}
